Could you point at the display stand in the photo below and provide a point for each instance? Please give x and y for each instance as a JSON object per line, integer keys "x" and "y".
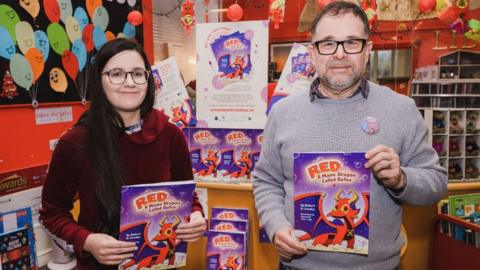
{"x": 446, "y": 252}
{"x": 260, "y": 255}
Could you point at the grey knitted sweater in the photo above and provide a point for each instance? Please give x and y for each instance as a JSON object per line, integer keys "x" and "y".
{"x": 334, "y": 125}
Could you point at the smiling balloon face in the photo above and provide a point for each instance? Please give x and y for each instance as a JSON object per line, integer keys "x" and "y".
{"x": 81, "y": 15}
{"x": 52, "y": 10}
{"x": 65, "y": 9}
{"x": 58, "y": 80}
{"x": 78, "y": 48}
{"x": 8, "y": 19}
{"x": 7, "y": 46}
{"x": 21, "y": 71}
{"x": 58, "y": 38}
{"x": 31, "y": 6}
{"x": 25, "y": 37}
{"x": 100, "y": 18}
{"x": 73, "y": 28}
{"x": 35, "y": 58}
{"x": 41, "y": 43}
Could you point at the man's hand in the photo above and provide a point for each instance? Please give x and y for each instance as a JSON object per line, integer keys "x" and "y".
{"x": 108, "y": 250}
{"x": 193, "y": 230}
{"x": 286, "y": 245}
{"x": 385, "y": 164}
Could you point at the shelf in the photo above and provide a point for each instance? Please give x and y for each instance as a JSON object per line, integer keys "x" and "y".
{"x": 461, "y": 185}
{"x": 445, "y": 95}
{"x": 447, "y": 81}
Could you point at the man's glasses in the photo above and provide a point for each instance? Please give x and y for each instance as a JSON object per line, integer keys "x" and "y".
{"x": 118, "y": 76}
{"x": 350, "y": 46}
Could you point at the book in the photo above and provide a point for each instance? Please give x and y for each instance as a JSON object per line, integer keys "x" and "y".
{"x": 15, "y": 250}
{"x": 149, "y": 216}
{"x": 464, "y": 205}
{"x": 230, "y": 213}
{"x": 20, "y": 219}
{"x": 226, "y": 250}
{"x": 331, "y": 208}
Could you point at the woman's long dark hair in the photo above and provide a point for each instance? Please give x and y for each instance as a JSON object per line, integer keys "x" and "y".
{"x": 104, "y": 126}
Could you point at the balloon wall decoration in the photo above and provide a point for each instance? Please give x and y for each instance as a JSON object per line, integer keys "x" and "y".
{"x": 30, "y": 30}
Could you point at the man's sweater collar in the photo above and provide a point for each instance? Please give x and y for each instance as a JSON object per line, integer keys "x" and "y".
{"x": 363, "y": 88}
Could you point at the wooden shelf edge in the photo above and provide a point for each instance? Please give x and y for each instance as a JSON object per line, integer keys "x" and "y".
{"x": 464, "y": 185}
{"x": 226, "y": 186}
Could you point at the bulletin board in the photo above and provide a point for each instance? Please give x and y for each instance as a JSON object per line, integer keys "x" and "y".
{"x": 47, "y": 46}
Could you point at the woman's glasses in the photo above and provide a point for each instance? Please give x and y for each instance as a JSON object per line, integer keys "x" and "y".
{"x": 118, "y": 76}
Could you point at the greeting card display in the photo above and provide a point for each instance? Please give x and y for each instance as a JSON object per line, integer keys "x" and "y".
{"x": 149, "y": 216}
{"x": 332, "y": 195}
{"x": 232, "y": 74}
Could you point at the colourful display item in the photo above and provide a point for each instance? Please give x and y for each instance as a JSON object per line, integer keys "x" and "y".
{"x": 205, "y": 152}
{"x": 464, "y": 205}
{"x": 232, "y": 53}
{"x": 240, "y": 154}
{"x": 15, "y": 250}
{"x": 332, "y": 194}
{"x": 230, "y": 213}
{"x": 149, "y": 217}
{"x": 226, "y": 250}
{"x": 22, "y": 219}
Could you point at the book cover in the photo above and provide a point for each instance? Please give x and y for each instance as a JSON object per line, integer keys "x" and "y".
{"x": 15, "y": 250}
{"x": 464, "y": 205}
{"x": 149, "y": 216}
{"x": 332, "y": 194}
{"x": 20, "y": 219}
{"x": 226, "y": 250}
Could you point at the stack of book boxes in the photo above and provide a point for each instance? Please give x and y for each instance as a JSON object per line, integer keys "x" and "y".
{"x": 228, "y": 239}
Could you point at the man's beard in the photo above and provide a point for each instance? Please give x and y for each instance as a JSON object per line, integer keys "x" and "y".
{"x": 339, "y": 85}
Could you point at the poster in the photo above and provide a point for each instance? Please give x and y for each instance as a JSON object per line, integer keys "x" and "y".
{"x": 171, "y": 95}
{"x": 232, "y": 60}
{"x": 297, "y": 75}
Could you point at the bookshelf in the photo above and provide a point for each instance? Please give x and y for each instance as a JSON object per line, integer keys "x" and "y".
{"x": 449, "y": 98}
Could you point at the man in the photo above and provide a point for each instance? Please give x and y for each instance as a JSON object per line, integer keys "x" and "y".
{"x": 346, "y": 113}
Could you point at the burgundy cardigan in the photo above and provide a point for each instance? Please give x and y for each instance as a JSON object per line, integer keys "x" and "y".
{"x": 157, "y": 153}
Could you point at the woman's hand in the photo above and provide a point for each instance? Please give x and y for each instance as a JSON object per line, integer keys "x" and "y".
{"x": 193, "y": 230}
{"x": 108, "y": 250}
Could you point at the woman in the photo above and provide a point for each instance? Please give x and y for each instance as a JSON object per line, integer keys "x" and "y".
{"x": 119, "y": 141}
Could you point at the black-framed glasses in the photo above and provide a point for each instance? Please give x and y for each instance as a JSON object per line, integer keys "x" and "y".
{"x": 118, "y": 76}
{"x": 350, "y": 46}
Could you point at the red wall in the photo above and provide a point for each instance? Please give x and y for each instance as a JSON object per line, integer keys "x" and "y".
{"x": 23, "y": 143}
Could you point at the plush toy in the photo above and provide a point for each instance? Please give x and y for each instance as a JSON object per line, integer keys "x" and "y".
{"x": 438, "y": 146}
{"x": 471, "y": 171}
{"x": 456, "y": 123}
{"x": 454, "y": 147}
{"x": 454, "y": 170}
{"x": 471, "y": 147}
{"x": 472, "y": 118}
{"x": 438, "y": 122}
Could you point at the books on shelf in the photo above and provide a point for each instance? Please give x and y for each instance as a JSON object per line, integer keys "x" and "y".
{"x": 149, "y": 216}
{"x": 332, "y": 194}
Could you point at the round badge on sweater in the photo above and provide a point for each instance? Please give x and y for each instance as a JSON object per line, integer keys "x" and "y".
{"x": 370, "y": 125}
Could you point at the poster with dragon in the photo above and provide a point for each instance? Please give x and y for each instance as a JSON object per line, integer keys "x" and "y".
{"x": 297, "y": 74}
{"x": 171, "y": 95}
{"x": 332, "y": 195}
{"x": 149, "y": 216}
{"x": 232, "y": 65}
